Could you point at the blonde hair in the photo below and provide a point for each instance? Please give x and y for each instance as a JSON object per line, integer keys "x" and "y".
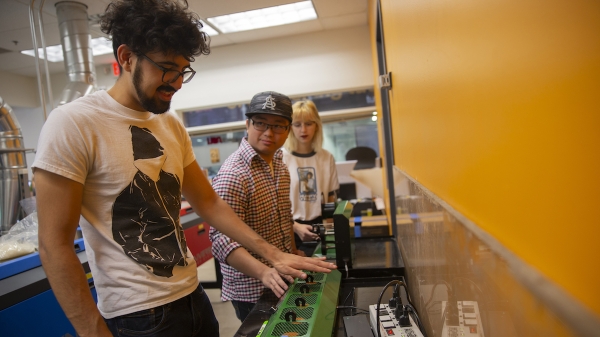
{"x": 305, "y": 111}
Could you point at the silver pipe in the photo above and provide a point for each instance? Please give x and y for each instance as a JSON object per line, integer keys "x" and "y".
{"x": 37, "y": 58}
{"x": 13, "y": 168}
{"x": 76, "y": 41}
{"x": 43, "y": 39}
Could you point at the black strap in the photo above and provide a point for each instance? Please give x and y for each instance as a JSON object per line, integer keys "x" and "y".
{"x": 310, "y": 222}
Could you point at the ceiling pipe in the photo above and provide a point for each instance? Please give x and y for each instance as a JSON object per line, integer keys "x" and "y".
{"x": 43, "y": 39}
{"x": 37, "y": 57}
{"x": 76, "y": 42}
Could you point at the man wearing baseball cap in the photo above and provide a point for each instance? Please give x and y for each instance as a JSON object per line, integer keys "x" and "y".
{"x": 255, "y": 182}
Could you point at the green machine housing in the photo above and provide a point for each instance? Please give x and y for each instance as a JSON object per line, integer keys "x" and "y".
{"x": 338, "y": 246}
{"x": 308, "y": 308}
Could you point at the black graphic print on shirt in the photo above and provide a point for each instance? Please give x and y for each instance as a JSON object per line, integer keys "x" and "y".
{"x": 145, "y": 215}
{"x": 308, "y": 184}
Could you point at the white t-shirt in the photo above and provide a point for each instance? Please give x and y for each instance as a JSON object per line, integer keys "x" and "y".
{"x": 313, "y": 179}
{"x": 131, "y": 166}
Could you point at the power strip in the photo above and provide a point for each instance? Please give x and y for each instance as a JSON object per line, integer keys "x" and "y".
{"x": 468, "y": 322}
{"x": 389, "y": 325}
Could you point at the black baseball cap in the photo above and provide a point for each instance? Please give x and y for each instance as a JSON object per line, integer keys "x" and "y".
{"x": 271, "y": 103}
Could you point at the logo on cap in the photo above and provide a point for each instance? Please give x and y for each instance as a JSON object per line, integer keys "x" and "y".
{"x": 269, "y": 103}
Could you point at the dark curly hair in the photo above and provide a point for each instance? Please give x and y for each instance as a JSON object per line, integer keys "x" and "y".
{"x": 155, "y": 26}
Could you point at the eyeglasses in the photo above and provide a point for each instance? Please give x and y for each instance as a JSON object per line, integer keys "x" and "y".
{"x": 171, "y": 75}
{"x": 260, "y": 126}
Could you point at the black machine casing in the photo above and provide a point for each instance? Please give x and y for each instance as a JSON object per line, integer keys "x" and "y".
{"x": 343, "y": 244}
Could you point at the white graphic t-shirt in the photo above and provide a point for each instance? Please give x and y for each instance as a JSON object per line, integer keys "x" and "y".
{"x": 131, "y": 166}
{"x": 313, "y": 179}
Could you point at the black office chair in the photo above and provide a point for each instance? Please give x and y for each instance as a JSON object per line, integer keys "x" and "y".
{"x": 365, "y": 157}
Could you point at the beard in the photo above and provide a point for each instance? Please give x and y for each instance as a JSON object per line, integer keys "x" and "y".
{"x": 153, "y": 105}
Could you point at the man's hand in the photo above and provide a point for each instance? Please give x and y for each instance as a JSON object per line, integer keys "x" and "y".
{"x": 271, "y": 279}
{"x": 305, "y": 233}
{"x": 290, "y": 264}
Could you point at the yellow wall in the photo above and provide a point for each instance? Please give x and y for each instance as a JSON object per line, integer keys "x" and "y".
{"x": 495, "y": 109}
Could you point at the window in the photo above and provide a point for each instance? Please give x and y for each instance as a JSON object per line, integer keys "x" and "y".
{"x": 347, "y": 122}
{"x": 237, "y": 112}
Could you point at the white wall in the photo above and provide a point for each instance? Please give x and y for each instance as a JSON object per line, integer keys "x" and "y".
{"x": 17, "y": 90}
{"x": 31, "y": 121}
{"x": 203, "y": 153}
{"x": 301, "y": 64}
{"x": 294, "y": 65}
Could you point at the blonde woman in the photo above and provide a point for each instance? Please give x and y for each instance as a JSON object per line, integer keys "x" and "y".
{"x": 312, "y": 171}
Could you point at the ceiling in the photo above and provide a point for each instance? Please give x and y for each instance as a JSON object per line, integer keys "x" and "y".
{"x": 15, "y": 31}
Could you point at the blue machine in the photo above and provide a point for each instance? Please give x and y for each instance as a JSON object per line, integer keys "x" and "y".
{"x": 28, "y": 306}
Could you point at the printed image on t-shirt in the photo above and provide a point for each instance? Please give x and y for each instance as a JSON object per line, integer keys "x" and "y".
{"x": 145, "y": 215}
{"x": 308, "y": 184}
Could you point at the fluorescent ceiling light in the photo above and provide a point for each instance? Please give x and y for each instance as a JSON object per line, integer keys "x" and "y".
{"x": 54, "y": 53}
{"x": 100, "y": 46}
{"x": 208, "y": 29}
{"x": 266, "y": 17}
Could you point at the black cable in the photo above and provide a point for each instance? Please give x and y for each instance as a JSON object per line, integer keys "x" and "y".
{"x": 348, "y": 296}
{"x": 346, "y": 299}
{"x": 431, "y": 295}
{"x": 351, "y": 307}
{"x": 415, "y": 316}
{"x": 379, "y": 302}
{"x": 410, "y": 301}
{"x": 420, "y": 325}
{"x": 433, "y": 290}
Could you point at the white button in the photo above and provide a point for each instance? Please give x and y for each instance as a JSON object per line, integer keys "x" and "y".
{"x": 470, "y": 322}
{"x": 388, "y": 325}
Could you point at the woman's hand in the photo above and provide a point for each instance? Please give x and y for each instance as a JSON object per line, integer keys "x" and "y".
{"x": 305, "y": 233}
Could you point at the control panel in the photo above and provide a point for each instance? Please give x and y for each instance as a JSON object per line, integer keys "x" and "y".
{"x": 307, "y": 309}
{"x": 463, "y": 320}
{"x": 389, "y": 324}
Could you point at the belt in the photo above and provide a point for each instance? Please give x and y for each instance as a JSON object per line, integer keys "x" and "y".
{"x": 314, "y": 221}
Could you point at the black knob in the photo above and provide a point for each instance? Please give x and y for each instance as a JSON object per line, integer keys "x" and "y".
{"x": 310, "y": 279}
{"x": 300, "y": 302}
{"x": 315, "y": 229}
{"x": 290, "y": 316}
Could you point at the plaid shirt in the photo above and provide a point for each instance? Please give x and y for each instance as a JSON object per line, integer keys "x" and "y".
{"x": 262, "y": 201}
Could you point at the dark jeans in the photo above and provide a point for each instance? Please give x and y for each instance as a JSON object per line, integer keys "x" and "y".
{"x": 191, "y": 316}
{"x": 242, "y": 309}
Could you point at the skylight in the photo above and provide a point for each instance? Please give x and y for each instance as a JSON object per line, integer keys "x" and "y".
{"x": 208, "y": 29}
{"x": 100, "y": 46}
{"x": 266, "y": 17}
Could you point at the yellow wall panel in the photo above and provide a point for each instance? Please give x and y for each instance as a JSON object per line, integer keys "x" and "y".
{"x": 495, "y": 109}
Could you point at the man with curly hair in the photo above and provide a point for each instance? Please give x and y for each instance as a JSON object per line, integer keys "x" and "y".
{"x": 121, "y": 160}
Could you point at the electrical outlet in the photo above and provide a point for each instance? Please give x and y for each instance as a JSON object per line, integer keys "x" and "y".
{"x": 468, "y": 323}
{"x": 389, "y": 325}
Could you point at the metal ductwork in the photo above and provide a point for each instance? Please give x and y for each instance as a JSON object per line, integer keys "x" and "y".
{"x": 76, "y": 43}
{"x": 14, "y": 183}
